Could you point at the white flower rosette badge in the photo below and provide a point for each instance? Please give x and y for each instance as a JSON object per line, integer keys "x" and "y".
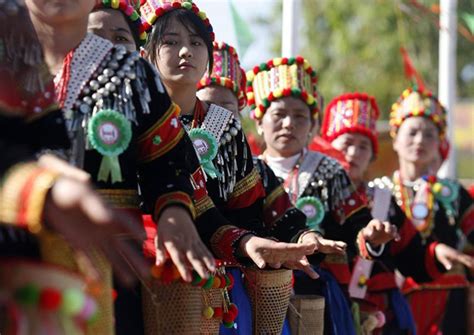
{"x": 109, "y": 133}
{"x": 206, "y": 147}
{"x": 313, "y": 208}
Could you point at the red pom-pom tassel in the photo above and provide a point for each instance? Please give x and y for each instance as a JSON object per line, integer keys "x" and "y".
{"x": 228, "y": 317}
{"x": 233, "y": 310}
{"x": 218, "y": 312}
{"x": 50, "y": 299}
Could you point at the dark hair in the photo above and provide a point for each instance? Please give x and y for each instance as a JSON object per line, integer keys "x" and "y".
{"x": 135, "y": 29}
{"x": 134, "y": 26}
{"x": 190, "y": 20}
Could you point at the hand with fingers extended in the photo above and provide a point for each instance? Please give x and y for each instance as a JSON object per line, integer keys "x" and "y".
{"x": 303, "y": 265}
{"x": 323, "y": 245}
{"x": 265, "y": 252}
{"x": 448, "y": 256}
{"x": 177, "y": 236}
{"x": 377, "y": 232}
{"x": 74, "y": 210}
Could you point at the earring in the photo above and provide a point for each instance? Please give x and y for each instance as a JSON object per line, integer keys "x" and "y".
{"x": 260, "y": 131}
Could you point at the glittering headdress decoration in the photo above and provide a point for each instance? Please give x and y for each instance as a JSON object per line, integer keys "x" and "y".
{"x": 25, "y": 84}
{"x": 151, "y": 10}
{"x": 278, "y": 78}
{"x": 226, "y": 72}
{"x": 351, "y": 113}
{"x": 131, "y": 9}
{"x": 416, "y": 102}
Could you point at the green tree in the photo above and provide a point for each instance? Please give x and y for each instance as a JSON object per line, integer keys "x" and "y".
{"x": 355, "y": 45}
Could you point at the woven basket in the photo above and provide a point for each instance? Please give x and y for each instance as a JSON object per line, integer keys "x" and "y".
{"x": 175, "y": 309}
{"x": 211, "y": 326}
{"x": 306, "y": 315}
{"x": 269, "y": 293}
{"x": 55, "y": 250}
{"x": 17, "y": 274}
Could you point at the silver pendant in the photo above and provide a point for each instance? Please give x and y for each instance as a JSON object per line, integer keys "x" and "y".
{"x": 419, "y": 211}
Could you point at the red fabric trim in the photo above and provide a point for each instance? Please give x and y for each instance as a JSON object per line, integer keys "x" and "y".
{"x": 148, "y": 245}
{"x": 467, "y": 221}
{"x": 382, "y": 281}
{"x": 428, "y": 310}
{"x": 430, "y": 261}
{"x": 174, "y": 198}
{"x": 199, "y": 185}
{"x": 203, "y": 205}
{"x": 24, "y": 199}
{"x": 248, "y": 197}
{"x": 339, "y": 270}
{"x": 379, "y": 301}
{"x": 407, "y": 232}
{"x": 161, "y": 137}
{"x": 255, "y": 146}
{"x": 446, "y": 281}
{"x": 363, "y": 252}
{"x": 349, "y": 210}
{"x": 224, "y": 241}
{"x": 278, "y": 206}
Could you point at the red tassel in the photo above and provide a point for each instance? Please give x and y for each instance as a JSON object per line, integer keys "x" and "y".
{"x": 218, "y": 312}
{"x": 50, "y": 299}
{"x": 410, "y": 71}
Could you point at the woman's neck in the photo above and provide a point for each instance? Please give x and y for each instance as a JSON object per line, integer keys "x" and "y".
{"x": 58, "y": 40}
{"x": 184, "y": 96}
{"x": 410, "y": 171}
{"x": 277, "y": 154}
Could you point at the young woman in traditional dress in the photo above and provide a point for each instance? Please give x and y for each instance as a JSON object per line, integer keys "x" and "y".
{"x": 440, "y": 209}
{"x": 46, "y": 196}
{"x": 282, "y": 94}
{"x": 350, "y": 125}
{"x": 123, "y": 128}
{"x": 225, "y": 86}
{"x": 180, "y": 45}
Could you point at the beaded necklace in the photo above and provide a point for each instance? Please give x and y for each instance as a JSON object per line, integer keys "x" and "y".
{"x": 417, "y": 202}
{"x": 61, "y": 85}
{"x": 197, "y": 116}
{"x": 290, "y": 183}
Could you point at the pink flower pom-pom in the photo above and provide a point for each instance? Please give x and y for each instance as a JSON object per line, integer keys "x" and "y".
{"x": 380, "y": 319}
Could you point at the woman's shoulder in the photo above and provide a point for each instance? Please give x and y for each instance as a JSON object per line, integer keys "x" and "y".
{"x": 222, "y": 123}
{"x": 325, "y": 167}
